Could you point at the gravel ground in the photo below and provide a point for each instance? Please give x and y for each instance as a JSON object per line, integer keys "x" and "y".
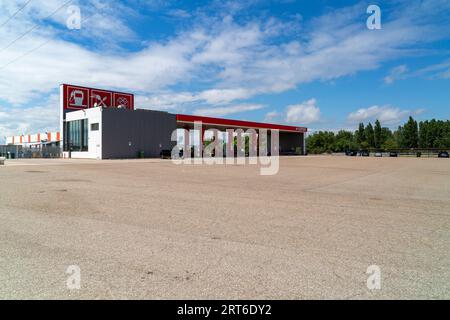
{"x": 149, "y": 229}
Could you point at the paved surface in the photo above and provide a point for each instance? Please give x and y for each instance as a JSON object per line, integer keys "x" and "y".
{"x": 151, "y": 229}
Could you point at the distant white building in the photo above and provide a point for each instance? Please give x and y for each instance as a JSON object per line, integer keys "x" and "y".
{"x": 35, "y": 139}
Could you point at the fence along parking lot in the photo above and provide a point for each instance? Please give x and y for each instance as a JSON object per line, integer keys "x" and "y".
{"x": 21, "y": 152}
{"x": 428, "y": 153}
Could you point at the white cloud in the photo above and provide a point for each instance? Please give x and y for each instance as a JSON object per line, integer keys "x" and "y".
{"x": 434, "y": 71}
{"x": 29, "y": 120}
{"x": 304, "y": 113}
{"x": 179, "y": 13}
{"x": 396, "y": 73}
{"x": 240, "y": 59}
{"x": 166, "y": 101}
{"x": 223, "y": 111}
{"x": 102, "y": 21}
{"x": 59, "y": 62}
{"x": 385, "y": 114}
{"x": 438, "y": 70}
{"x": 271, "y": 116}
{"x": 233, "y": 61}
{"x": 221, "y": 96}
{"x": 182, "y": 100}
{"x": 446, "y": 74}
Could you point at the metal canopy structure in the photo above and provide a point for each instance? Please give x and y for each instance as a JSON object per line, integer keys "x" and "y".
{"x": 291, "y": 139}
{"x": 209, "y": 122}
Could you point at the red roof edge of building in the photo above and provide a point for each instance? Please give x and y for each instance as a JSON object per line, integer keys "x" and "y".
{"x": 238, "y": 123}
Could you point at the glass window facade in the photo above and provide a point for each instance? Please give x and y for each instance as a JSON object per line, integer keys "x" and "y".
{"x": 76, "y": 135}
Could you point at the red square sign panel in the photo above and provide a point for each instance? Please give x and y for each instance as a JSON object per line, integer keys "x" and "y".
{"x": 123, "y": 100}
{"x": 77, "y": 98}
{"x": 101, "y": 98}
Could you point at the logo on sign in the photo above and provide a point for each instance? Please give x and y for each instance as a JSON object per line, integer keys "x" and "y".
{"x": 100, "y": 98}
{"x": 122, "y": 100}
{"x": 78, "y": 97}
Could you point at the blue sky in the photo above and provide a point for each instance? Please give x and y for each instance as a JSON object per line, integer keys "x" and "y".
{"x": 310, "y": 63}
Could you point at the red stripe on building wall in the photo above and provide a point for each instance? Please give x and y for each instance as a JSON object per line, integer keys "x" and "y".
{"x": 58, "y": 136}
{"x": 20, "y": 139}
{"x": 38, "y": 137}
{"x": 237, "y": 123}
{"x": 49, "y": 136}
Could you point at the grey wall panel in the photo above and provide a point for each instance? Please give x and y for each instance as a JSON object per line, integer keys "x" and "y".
{"x": 125, "y": 133}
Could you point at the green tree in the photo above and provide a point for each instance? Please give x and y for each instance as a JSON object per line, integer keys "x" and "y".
{"x": 360, "y": 135}
{"x": 344, "y": 140}
{"x": 423, "y": 134}
{"x": 443, "y": 137}
{"x": 390, "y": 144}
{"x": 370, "y": 136}
{"x": 397, "y": 136}
{"x": 378, "y": 133}
{"x": 410, "y": 134}
{"x": 386, "y": 134}
{"x": 428, "y": 134}
{"x": 321, "y": 142}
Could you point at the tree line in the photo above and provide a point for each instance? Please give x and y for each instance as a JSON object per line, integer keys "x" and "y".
{"x": 429, "y": 134}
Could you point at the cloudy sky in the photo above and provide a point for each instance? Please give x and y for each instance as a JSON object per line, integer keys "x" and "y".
{"x": 311, "y": 63}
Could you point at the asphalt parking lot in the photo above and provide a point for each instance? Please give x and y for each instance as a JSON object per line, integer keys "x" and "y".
{"x": 149, "y": 229}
